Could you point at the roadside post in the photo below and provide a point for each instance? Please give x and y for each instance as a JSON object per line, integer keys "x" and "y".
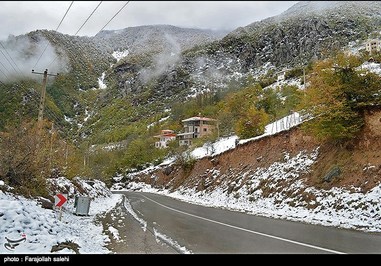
{"x": 59, "y": 201}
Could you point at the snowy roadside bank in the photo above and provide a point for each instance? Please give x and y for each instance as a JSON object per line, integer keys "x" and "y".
{"x": 278, "y": 192}
{"x": 43, "y": 229}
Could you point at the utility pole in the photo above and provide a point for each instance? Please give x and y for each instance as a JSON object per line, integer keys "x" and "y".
{"x": 304, "y": 77}
{"x": 43, "y": 93}
{"x": 51, "y": 147}
{"x": 66, "y": 155}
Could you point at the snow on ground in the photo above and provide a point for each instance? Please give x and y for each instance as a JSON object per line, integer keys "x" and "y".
{"x": 68, "y": 119}
{"x": 371, "y": 67}
{"x": 280, "y": 125}
{"x": 289, "y": 197}
{"x": 158, "y": 122}
{"x": 131, "y": 211}
{"x": 286, "y": 82}
{"x": 224, "y": 144}
{"x": 354, "y": 47}
{"x": 114, "y": 232}
{"x": 80, "y": 187}
{"x": 101, "y": 83}
{"x": 108, "y": 146}
{"x": 210, "y": 149}
{"x": 43, "y": 228}
{"x": 118, "y": 55}
{"x": 159, "y": 236}
{"x": 87, "y": 114}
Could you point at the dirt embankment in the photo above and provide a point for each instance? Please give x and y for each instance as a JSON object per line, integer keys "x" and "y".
{"x": 356, "y": 163}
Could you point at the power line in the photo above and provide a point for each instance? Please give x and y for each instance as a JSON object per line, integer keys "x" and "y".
{"x": 11, "y": 59}
{"x": 8, "y": 60}
{"x": 5, "y": 75}
{"x": 49, "y": 111}
{"x": 5, "y": 67}
{"x": 82, "y": 27}
{"x": 55, "y": 58}
{"x": 33, "y": 94}
{"x": 84, "y": 23}
{"x": 64, "y": 15}
{"x": 87, "y": 21}
{"x": 43, "y": 92}
{"x": 58, "y": 122}
{"x": 38, "y": 60}
{"x": 88, "y": 18}
{"x": 114, "y": 16}
{"x": 79, "y": 30}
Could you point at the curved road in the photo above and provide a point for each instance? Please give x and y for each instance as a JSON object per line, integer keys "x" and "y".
{"x": 210, "y": 230}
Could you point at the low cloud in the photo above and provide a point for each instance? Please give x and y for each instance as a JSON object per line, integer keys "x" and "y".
{"x": 19, "y": 55}
{"x": 163, "y": 61}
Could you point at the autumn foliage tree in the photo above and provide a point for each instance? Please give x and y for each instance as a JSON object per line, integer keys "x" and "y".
{"x": 251, "y": 123}
{"x": 244, "y": 111}
{"x": 338, "y": 93}
{"x": 30, "y": 153}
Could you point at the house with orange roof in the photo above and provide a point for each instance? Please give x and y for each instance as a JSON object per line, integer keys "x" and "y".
{"x": 165, "y": 136}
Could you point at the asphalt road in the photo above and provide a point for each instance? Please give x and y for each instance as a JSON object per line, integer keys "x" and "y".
{"x": 210, "y": 230}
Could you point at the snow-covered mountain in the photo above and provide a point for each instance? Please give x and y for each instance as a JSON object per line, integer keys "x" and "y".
{"x": 303, "y": 8}
{"x": 306, "y": 31}
{"x": 156, "y": 38}
{"x": 113, "y": 83}
{"x": 154, "y": 67}
{"x": 309, "y": 29}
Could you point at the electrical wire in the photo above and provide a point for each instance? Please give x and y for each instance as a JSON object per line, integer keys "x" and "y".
{"x": 114, "y": 16}
{"x": 47, "y": 109}
{"x": 5, "y": 67}
{"x": 52, "y": 114}
{"x": 83, "y": 24}
{"x": 88, "y": 18}
{"x": 38, "y": 60}
{"x": 33, "y": 95}
{"x": 8, "y": 60}
{"x": 11, "y": 59}
{"x": 67, "y": 11}
{"x": 5, "y": 75}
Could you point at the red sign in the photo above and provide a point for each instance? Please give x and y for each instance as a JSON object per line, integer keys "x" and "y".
{"x": 60, "y": 199}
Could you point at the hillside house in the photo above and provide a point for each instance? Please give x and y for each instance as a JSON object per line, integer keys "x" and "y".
{"x": 196, "y": 127}
{"x": 372, "y": 46}
{"x": 165, "y": 136}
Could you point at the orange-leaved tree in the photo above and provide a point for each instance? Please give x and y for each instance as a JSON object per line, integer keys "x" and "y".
{"x": 338, "y": 92}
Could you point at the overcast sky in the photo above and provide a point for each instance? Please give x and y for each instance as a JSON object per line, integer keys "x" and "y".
{"x": 20, "y": 17}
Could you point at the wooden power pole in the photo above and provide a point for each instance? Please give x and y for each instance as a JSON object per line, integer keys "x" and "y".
{"x": 43, "y": 93}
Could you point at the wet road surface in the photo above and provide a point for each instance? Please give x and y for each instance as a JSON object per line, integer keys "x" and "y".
{"x": 199, "y": 229}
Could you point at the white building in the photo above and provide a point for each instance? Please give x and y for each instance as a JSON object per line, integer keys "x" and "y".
{"x": 166, "y": 136}
{"x": 373, "y": 46}
{"x": 196, "y": 127}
